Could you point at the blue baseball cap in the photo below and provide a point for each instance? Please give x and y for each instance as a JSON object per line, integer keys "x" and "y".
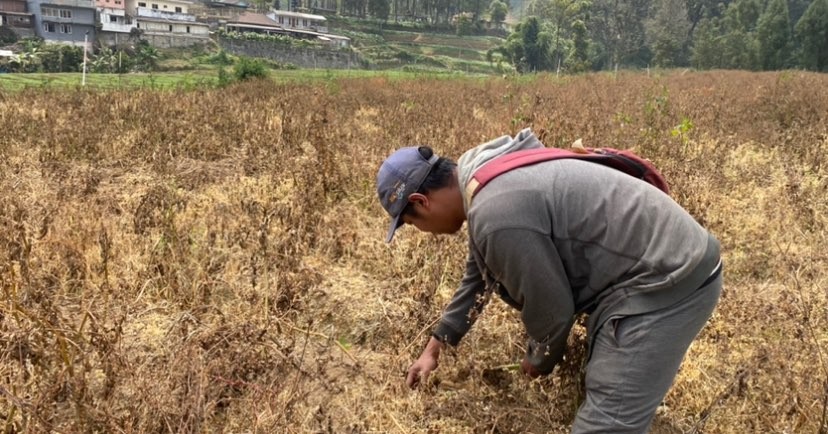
{"x": 400, "y": 175}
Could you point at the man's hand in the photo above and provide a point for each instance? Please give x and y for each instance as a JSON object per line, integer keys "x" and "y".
{"x": 419, "y": 370}
{"x": 528, "y": 369}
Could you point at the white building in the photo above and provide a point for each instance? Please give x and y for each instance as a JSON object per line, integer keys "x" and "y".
{"x": 303, "y": 26}
{"x": 299, "y": 21}
{"x": 167, "y": 23}
{"x": 115, "y": 23}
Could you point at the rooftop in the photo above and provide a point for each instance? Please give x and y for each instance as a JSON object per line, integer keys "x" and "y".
{"x": 70, "y": 3}
{"x": 298, "y": 15}
{"x": 167, "y": 21}
{"x": 234, "y": 3}
{"x": 253, "y": 18}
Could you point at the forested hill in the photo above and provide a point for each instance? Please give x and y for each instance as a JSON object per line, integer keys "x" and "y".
{"x": 581, "y": 35}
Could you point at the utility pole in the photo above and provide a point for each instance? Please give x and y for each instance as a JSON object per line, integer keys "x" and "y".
{"x": 85, "y": 42}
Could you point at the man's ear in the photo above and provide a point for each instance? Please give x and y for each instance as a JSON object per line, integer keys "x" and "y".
{"x": 418, "y": 199}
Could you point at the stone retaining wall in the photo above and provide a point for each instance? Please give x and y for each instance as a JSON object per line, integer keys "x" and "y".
{"x": 301, "y": 57}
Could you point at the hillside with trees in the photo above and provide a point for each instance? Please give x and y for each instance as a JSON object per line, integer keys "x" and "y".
{"x": 583, "y": 35}
{"x": 500, "y": 36}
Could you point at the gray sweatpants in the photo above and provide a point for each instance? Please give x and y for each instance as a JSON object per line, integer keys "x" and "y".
{"x": 634, "y": 361}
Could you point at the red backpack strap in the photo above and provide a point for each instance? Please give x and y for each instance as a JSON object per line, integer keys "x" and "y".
{"x": 625, "y": 161}
{"x": 513, "y": 160}
{"x": 634, "y": 165}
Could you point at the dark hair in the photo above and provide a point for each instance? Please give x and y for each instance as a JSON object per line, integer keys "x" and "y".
{"x": 441, "y": 175}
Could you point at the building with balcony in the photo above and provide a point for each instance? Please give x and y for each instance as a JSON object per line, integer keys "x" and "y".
{"x": 217, "y": 12}
{"x": 15, "y": 15}
{"x": 160, "y": 8}
{"x": 167, "y": 23}
{"x": 307, "y": 6}
{"x": 115, "y": 24}
{"x": 144, "y": 12}
{"x": 296, "y": 25}
{"x": 299, "y": 21}
{"x": 249, "y": 22}
{"x": 65, "y": 21}
{"x": 164, "y": 27}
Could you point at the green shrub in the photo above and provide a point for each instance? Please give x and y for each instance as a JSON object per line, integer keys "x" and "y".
{"x": 220, "y": 58}
{"x": 7, "y": 35}
{"x": 248, "y": 68}
{"x": 146, "y": 56}
{"x": 405, "y": 56}
{"x": 223, "y": 77}
{"x": 61, "y": 58}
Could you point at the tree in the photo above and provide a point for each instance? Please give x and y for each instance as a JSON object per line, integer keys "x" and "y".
{"x": 579, "y": 60}
{"x": 796, "y": 8}
{"x": 464, "y": 23}
{"x": 534, "y": 48}
{"x": 730, "y": 41}
{"x": 476, "y": 7}
{"x": 697, "y": 10}
{"x": 737, "y": 42}
{"x": 812, "y": 34}
{"x": 527, "y": 48}
{"x": 707, "y": 52}
{"x": 559, "y": 16}
{"x": 617, "y": 28}
{"x": 379, "y": 9}
{"x": 742, "y": 15}
{"x": 774, "y": 36}
{"x": 739, "y": 51}
{"x": 354, "y": 7}
{"x": 667, "y": 33}
{"x": 498, "y": 11}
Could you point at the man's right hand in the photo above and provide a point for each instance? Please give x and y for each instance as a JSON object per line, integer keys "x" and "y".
{"x": 419, "y": 370}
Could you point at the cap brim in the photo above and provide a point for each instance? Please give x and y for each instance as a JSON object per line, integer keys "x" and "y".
{"x": 396, "y": 222}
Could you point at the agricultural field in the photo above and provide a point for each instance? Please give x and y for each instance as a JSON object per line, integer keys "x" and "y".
{"x": 192, "y": 80}
{"x": 202, "y": 260}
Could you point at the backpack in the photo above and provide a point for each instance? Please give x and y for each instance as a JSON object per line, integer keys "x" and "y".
{"x": 625, "y": 161}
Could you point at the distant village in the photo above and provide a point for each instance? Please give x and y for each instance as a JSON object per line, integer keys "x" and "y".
{"x": 163, "y": 23}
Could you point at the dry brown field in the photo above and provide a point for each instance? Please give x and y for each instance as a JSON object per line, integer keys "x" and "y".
{"x": 213, "y": 260}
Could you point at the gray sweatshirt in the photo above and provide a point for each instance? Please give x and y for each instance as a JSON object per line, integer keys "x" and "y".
{"x": 567, "y": 236}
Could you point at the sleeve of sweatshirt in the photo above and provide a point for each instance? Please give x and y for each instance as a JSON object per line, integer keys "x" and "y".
{"x": 527, "y": 264}
{"x": 464, "y": 308}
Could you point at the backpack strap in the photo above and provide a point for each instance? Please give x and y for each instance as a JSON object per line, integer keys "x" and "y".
{"x": 513, "y": 160}
{"x": 624, "y": 161}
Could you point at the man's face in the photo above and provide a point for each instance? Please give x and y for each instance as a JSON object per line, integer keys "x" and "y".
{"x": 433, "y": 224}
{"x": 438, "y": 212}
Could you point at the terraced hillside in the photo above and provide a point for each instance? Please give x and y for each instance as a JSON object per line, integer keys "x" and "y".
{"x": 422, "y": 49}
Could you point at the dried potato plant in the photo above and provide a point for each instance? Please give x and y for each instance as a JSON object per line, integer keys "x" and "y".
{"x": 213, "y": 260}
